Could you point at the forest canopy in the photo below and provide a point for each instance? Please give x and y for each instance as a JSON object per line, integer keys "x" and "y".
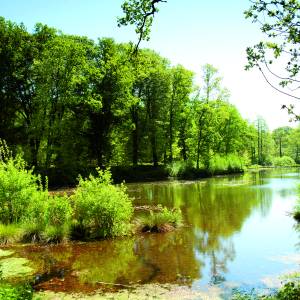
{"x": 69, "y": 104}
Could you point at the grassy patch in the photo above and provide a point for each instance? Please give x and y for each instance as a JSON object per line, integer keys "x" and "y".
{"x": 10, "y": 233}
{"x": 160, "y": 221}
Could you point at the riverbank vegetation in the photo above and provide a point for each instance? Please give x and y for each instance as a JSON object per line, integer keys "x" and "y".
{"x": 98, "y": 209}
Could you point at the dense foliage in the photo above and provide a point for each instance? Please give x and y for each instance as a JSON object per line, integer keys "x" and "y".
{"x": 70, "y": 104}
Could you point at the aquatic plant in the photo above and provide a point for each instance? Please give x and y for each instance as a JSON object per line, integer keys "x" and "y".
{"x": 12, "y": 267}
{"x": 160, "y": 221}
{"x": 101, "y": 209}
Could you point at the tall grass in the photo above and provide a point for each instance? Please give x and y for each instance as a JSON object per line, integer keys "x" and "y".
{"x": 217, "y": 164}
{"x": 10, "y": 233}
{"x": 226, "y": 164}
{"x": 185, "y": 170}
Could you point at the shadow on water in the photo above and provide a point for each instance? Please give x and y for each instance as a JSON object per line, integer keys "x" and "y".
{"x": 215, "y": 212}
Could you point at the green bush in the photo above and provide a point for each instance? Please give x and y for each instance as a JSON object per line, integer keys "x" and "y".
{"x": 48, "y": 221}
{"x": 284, "y": 161}
{"x": 160, "y": 221}
{"x": 58, "y": 213}
{"x": 19, "y": 188}
{"x": 101, "y": 209}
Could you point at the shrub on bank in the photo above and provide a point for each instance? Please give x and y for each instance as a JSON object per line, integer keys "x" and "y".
{"x": 284, "y": 161}
{"x": 48, "y": 221}
{"x": 58, "y": 213}
{"x": 19, "y": 188}
{"x": 101, "y": 209}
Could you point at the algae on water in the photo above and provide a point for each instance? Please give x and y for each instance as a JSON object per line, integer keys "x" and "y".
{"x": 4, "y": 253}
{"x": 15, "y": 267}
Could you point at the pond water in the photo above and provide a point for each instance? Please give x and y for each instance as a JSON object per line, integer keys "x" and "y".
{"x": 236, "y": 233}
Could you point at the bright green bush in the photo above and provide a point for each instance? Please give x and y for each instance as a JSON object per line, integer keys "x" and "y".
{"x": 58, "y": 211}
{"x": 101, "y": 209}
{"x": 48, "y": 221}
{"x": 57, "y": 217}
{"x": 19, "y": 188}
{"x": 284, "y": 161}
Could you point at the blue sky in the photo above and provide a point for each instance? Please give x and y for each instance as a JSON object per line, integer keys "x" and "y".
{"x": 189, "y": 32}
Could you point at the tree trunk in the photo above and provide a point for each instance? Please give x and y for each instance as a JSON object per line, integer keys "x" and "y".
{"x": 135, "y": 137}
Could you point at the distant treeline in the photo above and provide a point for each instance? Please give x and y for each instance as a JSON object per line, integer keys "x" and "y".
{"x": 69, "y": 103}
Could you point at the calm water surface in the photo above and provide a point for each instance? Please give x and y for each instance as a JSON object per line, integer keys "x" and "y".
{"x": 237, "y": 234}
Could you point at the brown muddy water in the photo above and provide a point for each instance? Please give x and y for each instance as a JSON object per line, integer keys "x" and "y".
{"x": 237, "y": 233}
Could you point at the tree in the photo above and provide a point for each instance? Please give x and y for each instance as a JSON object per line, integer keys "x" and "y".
{"x": 279, "y": 20}
{"x": 59, "y": 71}
{"x": 281, "y": 137}
{"x": 264, "y": 143}
{"x": 155, "y": 96}
{"x": 294, "y": 144}
{"x": 182, "y": 86}
{"x": 114, "y": 89}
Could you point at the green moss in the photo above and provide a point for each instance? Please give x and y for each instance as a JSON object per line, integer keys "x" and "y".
{"x": 15, "y": 267}
{"x": 4, "y": 253}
